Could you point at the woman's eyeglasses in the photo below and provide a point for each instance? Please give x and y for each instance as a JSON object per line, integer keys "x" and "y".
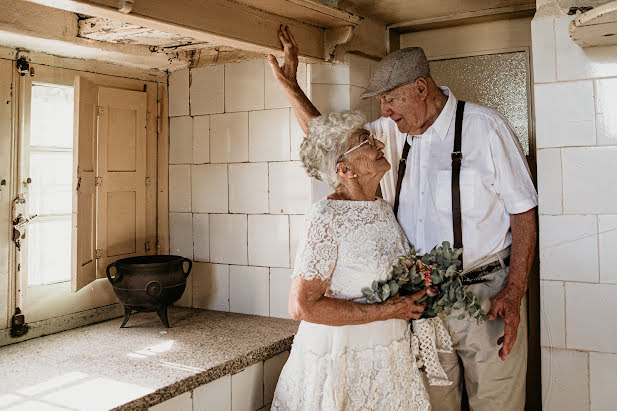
{"x": 368, "y": 139}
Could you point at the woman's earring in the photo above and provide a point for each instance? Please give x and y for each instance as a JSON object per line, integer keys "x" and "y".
{"x": 355, "y": 175}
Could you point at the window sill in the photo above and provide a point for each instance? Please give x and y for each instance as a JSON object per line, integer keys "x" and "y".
{"x": 104, "y": 366}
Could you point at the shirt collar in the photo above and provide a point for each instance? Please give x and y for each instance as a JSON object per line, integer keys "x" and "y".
{"x": 441, "y": 126}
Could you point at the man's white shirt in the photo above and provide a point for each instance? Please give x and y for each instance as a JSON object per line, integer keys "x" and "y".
{"x": 495, "y": 180}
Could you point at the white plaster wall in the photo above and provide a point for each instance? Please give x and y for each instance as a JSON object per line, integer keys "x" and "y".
{"x": 237, "y": 192}
{"x": 576, "y": 127}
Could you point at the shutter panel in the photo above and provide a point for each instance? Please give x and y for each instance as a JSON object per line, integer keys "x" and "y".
{"x": 83, "y": 241}
{"x": 121, "y": 199}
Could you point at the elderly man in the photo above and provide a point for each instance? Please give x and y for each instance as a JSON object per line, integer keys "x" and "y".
{"x": 458, "y": 174}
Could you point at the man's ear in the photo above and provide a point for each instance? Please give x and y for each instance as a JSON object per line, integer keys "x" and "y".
{"x": 422, "y": 87}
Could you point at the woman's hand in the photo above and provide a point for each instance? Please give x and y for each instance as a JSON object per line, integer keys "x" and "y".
{"x": 286, "y": 74}
{"x": 405, "y": 308}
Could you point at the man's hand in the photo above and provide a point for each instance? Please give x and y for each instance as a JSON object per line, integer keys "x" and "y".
{"x": 286, "y": 74}
{"x": 507, "y": 305}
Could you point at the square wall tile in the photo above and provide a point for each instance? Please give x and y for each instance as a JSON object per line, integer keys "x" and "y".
{"x": 181, "y": 234}
{"x": 603, "y": 380}
{"x": 358, "y": 103}
{"x": 244, "y": 86}
{"x": 569, "y": 123}
{"x": 569, "y": 248}
{"x": 211, "y": 286}
{"x": 606, "y": 107}
{"x": 209, "y": 188}
{"x": 228, "y": 243}
{"x": 229, "y": 138}
{"x": 274, "y": 94}
{"x": 180, "y": 188}
{"x": 272, "y": 371}
{"x": 296, "y": 229}
{"x": 296, "y": 135}
{"x": 182, "y": 402}
{"x": 179, "y": 93}
{"x": 543, "y": 48}
{"x": 248, "y": 188}
{"x": 565, "y": 380}
{"x": 607, "y": 231}
{"x": 375, "y": 109}
{"x": 247, "y": 392}
{"x": 201, "y": 139}
{"x": 329, "y": 74}
{"x": 330, "y": 97}
{"x": 290, "y": 188}
{"x": 181, "y": 140}
{"x": 589, "y": 180}
{"x": 553, "y": 314}
{"x": 268, "y": 240}
{"x": 574, "y": 62}
{"x": 269, "y": 135}
{"x": 549, "y": 181}
{"x": 280, "y": 282}
{"x": 201, "y": 237}
{"x": 359, "y": 70}
{"x": 207, "y": 90}
{"x": 590, "y": 317}
{"x": 214, "y": 396}
{"x": 249, "y": 290}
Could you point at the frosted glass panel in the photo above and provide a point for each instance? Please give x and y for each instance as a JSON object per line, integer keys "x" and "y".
{"x": 496, "y": 80}
{"x": 49, "y": 251}
{"x": 51, "y": 115}
{"x": 50, "y": 190}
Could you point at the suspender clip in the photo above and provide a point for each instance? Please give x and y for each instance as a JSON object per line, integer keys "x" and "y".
{"x": 457, "y": 156}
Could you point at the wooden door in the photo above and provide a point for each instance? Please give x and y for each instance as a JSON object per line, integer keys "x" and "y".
{"x": 121, "y": 180}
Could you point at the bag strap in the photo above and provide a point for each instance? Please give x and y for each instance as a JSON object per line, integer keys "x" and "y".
{"x": 457, "y": 157}
{"x": 402, "y": 165}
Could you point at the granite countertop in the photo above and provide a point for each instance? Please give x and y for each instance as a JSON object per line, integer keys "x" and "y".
{"x": 102, "y": 366}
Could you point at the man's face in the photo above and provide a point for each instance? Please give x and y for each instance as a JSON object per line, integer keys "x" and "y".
{"x": 406, "y": 106}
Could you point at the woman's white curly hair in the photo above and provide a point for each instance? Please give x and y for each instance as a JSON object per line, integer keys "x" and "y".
{"x": 326, "y": 141}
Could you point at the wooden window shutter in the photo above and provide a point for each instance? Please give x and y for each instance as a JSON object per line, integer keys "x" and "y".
{"x": 121, "y": 202}
{"x": 83, "y": 241}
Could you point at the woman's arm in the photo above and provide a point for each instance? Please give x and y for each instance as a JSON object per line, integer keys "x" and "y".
{"x": 286, "y": 76}
{"x": 307, "y": 302}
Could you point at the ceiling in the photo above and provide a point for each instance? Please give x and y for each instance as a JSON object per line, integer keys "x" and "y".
{"x": 398, "y": 11}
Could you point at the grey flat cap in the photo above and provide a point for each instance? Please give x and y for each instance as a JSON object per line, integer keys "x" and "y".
{"x": 401, "y": 67}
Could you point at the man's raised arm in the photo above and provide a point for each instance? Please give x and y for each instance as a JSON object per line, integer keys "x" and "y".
{"x": 286, "y": 76}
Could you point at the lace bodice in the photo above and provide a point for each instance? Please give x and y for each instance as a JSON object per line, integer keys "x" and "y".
{"x": 349, "y": 243}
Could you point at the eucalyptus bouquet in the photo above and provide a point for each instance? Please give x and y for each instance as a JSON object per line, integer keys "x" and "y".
{"x": 440, "y": 271}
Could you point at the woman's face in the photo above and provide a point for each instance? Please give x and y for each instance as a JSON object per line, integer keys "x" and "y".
{"x": 365, "y": 155}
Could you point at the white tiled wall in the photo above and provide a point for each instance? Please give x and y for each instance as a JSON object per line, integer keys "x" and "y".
{"x": 250, "y": 389}
{"x": 238, "y": 192}
{"x": 576, "y": 126}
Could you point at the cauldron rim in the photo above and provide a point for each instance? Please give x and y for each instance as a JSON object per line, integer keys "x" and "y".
{"x": 149, "y": 262}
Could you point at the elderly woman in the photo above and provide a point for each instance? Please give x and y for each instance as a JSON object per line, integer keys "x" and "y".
{"x": 348, "y": 355}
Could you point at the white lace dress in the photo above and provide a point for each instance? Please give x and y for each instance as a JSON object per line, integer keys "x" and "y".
{"x": 355, "y": 367}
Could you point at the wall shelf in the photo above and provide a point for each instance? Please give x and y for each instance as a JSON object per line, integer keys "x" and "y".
{"x": 596, "y": 27}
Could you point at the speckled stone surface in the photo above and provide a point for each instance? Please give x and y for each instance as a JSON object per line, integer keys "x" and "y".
{"x": 133, "y": 368}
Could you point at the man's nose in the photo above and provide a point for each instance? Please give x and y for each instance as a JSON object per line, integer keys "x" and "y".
{"x": 386, "y": 111}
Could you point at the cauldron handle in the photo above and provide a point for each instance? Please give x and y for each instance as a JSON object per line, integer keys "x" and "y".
{"x": 188, "y": 260}
{"x": 112, "y": 280}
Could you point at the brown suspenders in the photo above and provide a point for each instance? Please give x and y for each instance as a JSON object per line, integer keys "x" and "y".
{"x": 457, "y": 156}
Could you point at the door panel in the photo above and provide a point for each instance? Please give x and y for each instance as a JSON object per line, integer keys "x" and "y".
{"x": 83, "y": 258}
{"x": 122, "y": 172}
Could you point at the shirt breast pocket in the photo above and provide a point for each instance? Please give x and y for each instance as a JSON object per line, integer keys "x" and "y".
{"x": 467, "y": 184}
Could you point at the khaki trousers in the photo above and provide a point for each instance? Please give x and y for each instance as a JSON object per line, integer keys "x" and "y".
{"x": 492, "y": 384}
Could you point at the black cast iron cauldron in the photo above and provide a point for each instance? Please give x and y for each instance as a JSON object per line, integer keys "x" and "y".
{"x": 149, "y": 283}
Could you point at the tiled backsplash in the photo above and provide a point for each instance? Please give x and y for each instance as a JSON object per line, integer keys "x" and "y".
{"x": 575, "y": 109}
{"x": 237, "y": 191}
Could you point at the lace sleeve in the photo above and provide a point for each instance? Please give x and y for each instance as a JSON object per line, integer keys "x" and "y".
{"x": 317, "y": 251}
